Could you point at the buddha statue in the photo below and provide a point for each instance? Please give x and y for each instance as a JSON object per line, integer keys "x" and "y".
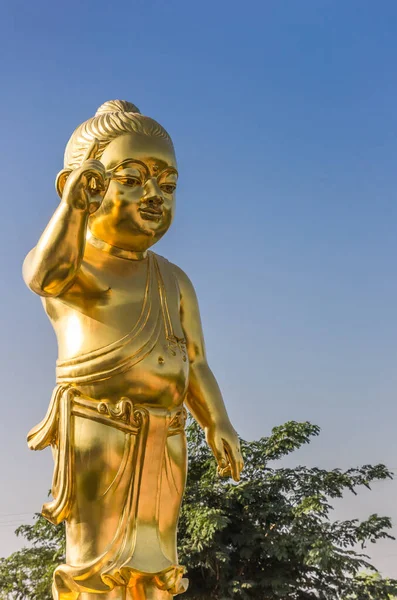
{"x": 131, "y": 358}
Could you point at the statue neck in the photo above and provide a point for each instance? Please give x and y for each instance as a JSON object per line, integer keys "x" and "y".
{"x": 114, "y": 250}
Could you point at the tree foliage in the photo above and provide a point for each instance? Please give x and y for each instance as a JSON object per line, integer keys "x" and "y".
{"x": 269, "y": 537}
{"x": 27, "y": 574}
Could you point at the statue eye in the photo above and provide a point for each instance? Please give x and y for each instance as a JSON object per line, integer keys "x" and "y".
{"x": 168, "y": 188}
{"x": 130, "y": 181}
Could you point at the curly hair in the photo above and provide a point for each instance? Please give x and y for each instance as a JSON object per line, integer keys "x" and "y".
{"x": 113, "y": 118}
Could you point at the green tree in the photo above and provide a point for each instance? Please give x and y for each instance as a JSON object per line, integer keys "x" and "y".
{"x": 267, "y": 538}
{"x": 371, "y": 585}
{"x": 27, "y": 574}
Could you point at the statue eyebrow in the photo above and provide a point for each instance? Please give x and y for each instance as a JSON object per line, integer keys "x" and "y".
{"x": 128, "y": 161}
{"x": 168, "y": 171}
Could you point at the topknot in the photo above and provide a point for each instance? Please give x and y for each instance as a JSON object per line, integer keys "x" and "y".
{"x": 112, "y": 106}
{"x": 113, "y": 118}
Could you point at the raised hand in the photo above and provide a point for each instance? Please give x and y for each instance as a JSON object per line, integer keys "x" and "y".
{"x": 84, "y": 187}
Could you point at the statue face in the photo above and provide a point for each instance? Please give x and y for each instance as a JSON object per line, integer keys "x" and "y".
{"x": 138, "y": 207}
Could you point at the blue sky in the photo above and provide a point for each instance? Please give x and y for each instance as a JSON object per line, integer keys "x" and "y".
{"x": 283, "y": 114}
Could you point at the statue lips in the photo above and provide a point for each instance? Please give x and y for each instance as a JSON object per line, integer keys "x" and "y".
{"x": 151, "y": 213}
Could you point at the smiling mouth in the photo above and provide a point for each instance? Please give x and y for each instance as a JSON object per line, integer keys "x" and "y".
{"x": 151, "y": 214}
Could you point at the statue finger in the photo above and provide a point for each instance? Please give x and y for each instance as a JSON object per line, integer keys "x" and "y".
{"x": 233, "y": 461}
{"x": 219, "y": 452}
{"x": 94, "y": 166}
{"x": 95, "y": 181}
{"x": 91, "y": 150}
{"x": 226, "y": 472}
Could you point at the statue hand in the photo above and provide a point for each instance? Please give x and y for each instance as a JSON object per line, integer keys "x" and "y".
{"x": 225, "y": 445}
{"x": 84, "y": 187}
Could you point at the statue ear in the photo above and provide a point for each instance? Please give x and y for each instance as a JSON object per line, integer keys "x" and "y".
{"x": 61, "y": 180}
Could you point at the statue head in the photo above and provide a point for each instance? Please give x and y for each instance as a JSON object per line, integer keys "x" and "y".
{"x": 139, "y": 157}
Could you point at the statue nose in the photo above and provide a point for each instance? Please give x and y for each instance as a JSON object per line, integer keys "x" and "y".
{"x": 153, "y": 193}
{"x": 154, "y": 200}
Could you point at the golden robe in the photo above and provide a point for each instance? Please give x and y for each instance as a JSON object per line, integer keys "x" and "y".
{"x": 120, "y": 467}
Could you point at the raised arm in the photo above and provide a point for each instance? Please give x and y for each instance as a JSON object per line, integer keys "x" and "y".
{"x": 204, "y": 398}
{"x": 53, "y": 264}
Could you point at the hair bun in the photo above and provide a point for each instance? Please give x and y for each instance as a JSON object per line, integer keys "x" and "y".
{"x": 112, "y": 106}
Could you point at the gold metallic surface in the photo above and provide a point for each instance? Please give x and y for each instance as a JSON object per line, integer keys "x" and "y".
{"x": 131, "y": 355}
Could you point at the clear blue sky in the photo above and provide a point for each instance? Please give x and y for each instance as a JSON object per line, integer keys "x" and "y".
{"x": 283, "y": 114}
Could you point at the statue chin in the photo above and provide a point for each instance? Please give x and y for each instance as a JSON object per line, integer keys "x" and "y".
{"x": 134, "y": 237}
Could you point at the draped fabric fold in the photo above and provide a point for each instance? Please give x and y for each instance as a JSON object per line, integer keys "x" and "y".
{"x": 125, "y": 561}
{"x": 55, "y": 430}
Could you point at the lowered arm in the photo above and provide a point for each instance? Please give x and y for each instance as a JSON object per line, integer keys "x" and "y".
{"x": 204, "y": 398}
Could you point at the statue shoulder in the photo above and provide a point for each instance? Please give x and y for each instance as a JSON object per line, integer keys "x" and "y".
{"x": 184, "y": 283}
{"x": 186, "y": 287}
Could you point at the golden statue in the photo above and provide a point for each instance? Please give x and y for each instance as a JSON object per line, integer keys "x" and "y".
{"x": 131, "y": 355}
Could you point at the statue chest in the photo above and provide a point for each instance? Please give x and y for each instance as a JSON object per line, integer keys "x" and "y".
{"x": 131, "y": 343}
{"x": 104, "y": 305}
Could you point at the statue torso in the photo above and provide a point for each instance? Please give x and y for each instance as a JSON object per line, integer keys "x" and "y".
{"x": 109, "y": 298}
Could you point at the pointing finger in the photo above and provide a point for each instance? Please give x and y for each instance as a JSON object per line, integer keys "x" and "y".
{"x": 91, "y": 150}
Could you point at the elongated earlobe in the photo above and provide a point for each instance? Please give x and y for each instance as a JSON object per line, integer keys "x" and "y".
{"x": 61, "y": 180}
